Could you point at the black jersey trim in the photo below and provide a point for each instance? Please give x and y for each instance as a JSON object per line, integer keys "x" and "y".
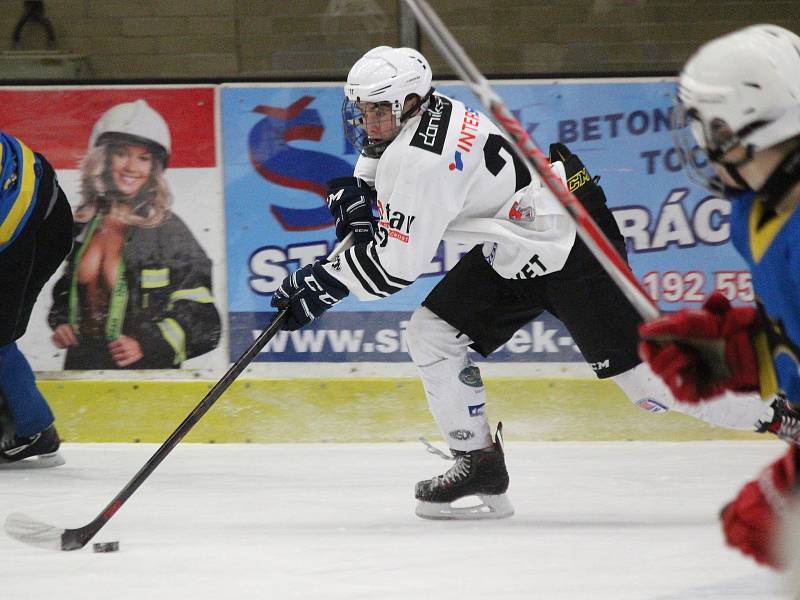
{"x": 374, "y": 270}
{"x": 362, "y": 278}
{"x": 432, "y": 129}
{"x": 390, "y": 278}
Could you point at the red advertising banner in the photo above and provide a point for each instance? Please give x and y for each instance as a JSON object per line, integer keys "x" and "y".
{"x": 57, "y": 123}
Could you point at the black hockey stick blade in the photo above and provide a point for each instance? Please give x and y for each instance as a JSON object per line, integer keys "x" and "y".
{"x": 35, "y": 533}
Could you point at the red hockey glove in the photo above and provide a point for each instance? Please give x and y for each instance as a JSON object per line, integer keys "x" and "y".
{"x": 701, "y": 353}
{"x": 751, "y": 522}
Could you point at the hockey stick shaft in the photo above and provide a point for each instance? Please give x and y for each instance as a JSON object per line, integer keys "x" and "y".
{"x": 73, "y": 539}
{"x": 526, "y": 149}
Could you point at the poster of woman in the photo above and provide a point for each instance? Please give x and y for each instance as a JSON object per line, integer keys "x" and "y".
{"x": 144, "y": 285}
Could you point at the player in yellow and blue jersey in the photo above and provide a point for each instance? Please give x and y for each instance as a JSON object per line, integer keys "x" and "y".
{"x": 739, "y": 104}
{"x": 35, "y": 238}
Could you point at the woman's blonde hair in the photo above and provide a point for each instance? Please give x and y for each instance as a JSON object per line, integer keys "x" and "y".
{"x": 148, "y": 208}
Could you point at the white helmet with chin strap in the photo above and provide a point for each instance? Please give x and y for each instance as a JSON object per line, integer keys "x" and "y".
{"x": 383, "y": 75}
{"x": 742, "y": 88}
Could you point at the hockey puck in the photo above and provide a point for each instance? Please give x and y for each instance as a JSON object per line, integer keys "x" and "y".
{"x": 106, "y": 547}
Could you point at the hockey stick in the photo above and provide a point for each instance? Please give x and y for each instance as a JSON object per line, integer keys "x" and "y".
{"x": 527, "y": 151}
{"x": 25, "y": 529}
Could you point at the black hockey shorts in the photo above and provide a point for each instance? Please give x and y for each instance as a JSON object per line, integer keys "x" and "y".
{"x": 488, "y": 308}
{"x": 38, "y": 251}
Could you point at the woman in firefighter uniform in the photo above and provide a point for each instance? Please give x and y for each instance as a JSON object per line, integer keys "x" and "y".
{"x": 136, "y": 292}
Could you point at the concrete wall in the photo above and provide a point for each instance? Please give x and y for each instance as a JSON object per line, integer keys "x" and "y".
{"x": 192, "y": 39}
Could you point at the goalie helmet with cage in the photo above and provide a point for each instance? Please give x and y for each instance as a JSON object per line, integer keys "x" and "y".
{"x": 376, "y": 93}
{"x": 738, "y": 92}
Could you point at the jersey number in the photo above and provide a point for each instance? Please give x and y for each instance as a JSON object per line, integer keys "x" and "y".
{"x": 495, "y": 162}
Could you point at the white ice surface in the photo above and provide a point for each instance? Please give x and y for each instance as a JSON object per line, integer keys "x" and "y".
{"x": 594, "y": 521}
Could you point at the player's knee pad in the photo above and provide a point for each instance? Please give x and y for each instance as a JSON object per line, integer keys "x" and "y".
{"x": 430, "y": 339}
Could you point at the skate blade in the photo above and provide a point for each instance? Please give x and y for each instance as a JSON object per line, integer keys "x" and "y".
{"x": 490, "y": 507}
{"x": 42, "y": 461}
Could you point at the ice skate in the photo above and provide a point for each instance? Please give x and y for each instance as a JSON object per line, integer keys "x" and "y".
{"x": 785, "y": 422}
{"x": 36, "y": 452}
{"x": 473, "y": 488}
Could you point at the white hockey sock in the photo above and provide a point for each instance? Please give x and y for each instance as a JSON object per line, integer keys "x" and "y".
{"x": 453, "y": 385}
{"x": 732, "y": 411}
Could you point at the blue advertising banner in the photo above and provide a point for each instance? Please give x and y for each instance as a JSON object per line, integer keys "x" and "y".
{"x": 282, "y": 143}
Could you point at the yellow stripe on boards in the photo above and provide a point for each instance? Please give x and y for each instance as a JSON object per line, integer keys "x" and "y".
{"x": 355, "y": 410}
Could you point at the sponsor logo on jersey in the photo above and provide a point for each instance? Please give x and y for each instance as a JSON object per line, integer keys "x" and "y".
{"x": 534, "y": 268}
{"x": 395, "y": 224}
{"x": 432, "y": 129}
{"x": 651, "y": 405}
{"x": 466, "y": 136}
{"x": 476, "y": 410}
{"x": 457, "y": 164}
{"x": 461, "y": 434}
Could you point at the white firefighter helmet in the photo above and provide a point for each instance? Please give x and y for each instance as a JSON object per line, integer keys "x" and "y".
{"x": 134, "y": 120}
{"x": 743, "y": 87}
{"x": 383, "y": 75}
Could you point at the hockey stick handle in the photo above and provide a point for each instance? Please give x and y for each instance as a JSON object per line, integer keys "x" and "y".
{"x": 526, "y": 149}
{"x": 84, "y": 534}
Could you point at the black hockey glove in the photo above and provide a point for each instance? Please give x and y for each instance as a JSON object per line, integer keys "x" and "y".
{"x": 584, "y": 186}
{"x": 350, "y": 201}
{"x": 590, "y": 194}
{"x": 307, "y": 293}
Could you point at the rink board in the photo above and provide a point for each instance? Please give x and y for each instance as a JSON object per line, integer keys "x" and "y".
{"x": 354, "y": 410}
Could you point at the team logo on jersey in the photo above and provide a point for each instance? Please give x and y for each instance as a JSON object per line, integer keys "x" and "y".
{"x": 521, "y": 213}
{"x": 394, "y": 223}
{"x": 432, "y": 129}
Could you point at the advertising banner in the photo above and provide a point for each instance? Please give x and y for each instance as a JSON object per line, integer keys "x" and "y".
{"x": 139, "y": 166}
{"x": 282, "y": 143}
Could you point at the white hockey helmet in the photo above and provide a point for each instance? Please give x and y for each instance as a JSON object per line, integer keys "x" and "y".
{"x": 418, "y": 56}
{"x": 134, "y": 121}
{"x": 383, "y": 75}
{"x": 741, "y": 88}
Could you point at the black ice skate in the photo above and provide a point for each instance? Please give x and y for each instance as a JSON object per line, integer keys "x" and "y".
{"x": 37, "y": 451}
{"x": 478, "y": 473}
{"x": 785, "y": 422}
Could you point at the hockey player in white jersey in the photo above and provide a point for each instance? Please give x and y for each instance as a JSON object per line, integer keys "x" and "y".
{"x": 443, "y": 171}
